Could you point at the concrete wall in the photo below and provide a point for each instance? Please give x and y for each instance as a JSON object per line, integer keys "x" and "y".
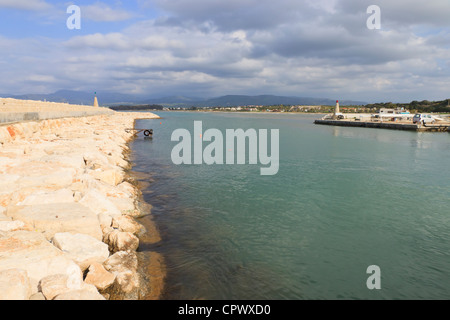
{"x": 13, "y": 110}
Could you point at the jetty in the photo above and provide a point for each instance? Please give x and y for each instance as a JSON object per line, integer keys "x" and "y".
{"x": 386, "y": 125}
{"x": 69, "y": 207}
{"x": 15, "y": 111}
{"x": 385, "y": 119}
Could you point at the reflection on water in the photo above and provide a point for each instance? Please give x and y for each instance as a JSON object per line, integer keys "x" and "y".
{"x": 343, "y": 199}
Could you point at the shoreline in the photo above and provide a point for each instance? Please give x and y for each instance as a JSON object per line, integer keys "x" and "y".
{"x": 69, "y": 212}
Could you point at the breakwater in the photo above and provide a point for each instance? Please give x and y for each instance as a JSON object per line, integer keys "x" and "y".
{"x": 69, "y": 210}
{"x": 386, "y": 125}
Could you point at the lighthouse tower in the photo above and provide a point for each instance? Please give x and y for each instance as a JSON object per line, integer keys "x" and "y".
{"x": 336, "y": 110}
{"x": 95, "y": 100}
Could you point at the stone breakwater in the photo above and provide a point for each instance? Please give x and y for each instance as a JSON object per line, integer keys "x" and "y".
{"x": 14, "y": 110}
{"x": 68, "y": 226}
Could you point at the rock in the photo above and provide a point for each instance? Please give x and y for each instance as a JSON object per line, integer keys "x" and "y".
{"x": 113, "y": 176}
{"x": 121, "y": 241}
{"x": 53, "y": 285}
{"x": 104, "y": 188}
{"x": 126, "y": 224}
{"x": 6, "y": 226}
{"x": 2, "y": 215}
{"x": 77, "y": 196}
{"x": 125, "y": 205}
{"x": 5, "y": 137}
{"x": 14, "y": 285}
{"x": 105, "y": 221}
{"x": 121, "y": 261}
{"x": 95, "y": 160}
{"x": 124, "y": 266}
{"x": 35, "y": 173}
{"x": 8, "y": 180}
{"x": 57, "y": 218}
{"x": 127, "y": 281}
{"x": 98, "y": 203}
{"x": 37, "y": 296}
{"x": 99, "y": 277}
{"x": 128, "y": 189}
{"x": 81, "y": 248}
{"x": 80, "y": 295}
{"x": 21, "y": 194}
{"x": 72, "y": 160}
{"x": 45, "y": 197}
{"x": 31, "y": 252}
{"x": 118, "y": 160}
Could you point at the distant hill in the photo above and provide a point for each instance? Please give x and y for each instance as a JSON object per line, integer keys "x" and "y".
{"x": 78, "y": 97}
{"x": 442, "y": 106}
{"x": 116, "y": 99}
{"x": 244, "y": 100}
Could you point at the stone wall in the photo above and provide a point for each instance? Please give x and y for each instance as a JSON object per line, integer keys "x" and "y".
{"x": 14, "y": 110}
{"x": 67, "y": 228}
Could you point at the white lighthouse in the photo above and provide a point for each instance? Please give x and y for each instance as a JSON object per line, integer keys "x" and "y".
{"x": 336, "y": 110}
{"x": 95, "y": 100}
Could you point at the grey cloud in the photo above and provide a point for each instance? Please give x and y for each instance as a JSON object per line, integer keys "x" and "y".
{"x": 239, "y": 14}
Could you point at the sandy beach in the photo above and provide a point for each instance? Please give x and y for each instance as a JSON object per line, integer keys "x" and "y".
{"x": 69, "y": 209}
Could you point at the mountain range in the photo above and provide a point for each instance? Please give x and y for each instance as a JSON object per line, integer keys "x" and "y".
{"x": 114, "y": 99}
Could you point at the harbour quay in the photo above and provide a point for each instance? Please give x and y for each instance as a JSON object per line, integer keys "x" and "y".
{"x": 395, "y": 119}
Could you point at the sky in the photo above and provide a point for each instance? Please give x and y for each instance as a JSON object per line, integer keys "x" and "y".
{"x": 209, "y": 48}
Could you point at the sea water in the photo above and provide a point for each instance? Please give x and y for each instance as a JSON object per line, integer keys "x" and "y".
{"x": 342, "y": 200}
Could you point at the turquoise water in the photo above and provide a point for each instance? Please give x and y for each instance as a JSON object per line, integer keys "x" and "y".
{"x": 343, "y": 199}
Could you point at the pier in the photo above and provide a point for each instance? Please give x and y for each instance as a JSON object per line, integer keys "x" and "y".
{"x": 387, "y": 125}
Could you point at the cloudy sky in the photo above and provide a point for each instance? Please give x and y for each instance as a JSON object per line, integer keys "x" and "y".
{"x": 207, "y": 48}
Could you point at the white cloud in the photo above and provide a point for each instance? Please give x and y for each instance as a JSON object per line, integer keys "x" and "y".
{"x": 101, "y": 12}
{"x": 210, "y": 47}
{"x": 31, "y": 5}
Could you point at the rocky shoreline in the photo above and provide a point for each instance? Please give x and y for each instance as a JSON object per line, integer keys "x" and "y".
{"x": 69, "y": 211}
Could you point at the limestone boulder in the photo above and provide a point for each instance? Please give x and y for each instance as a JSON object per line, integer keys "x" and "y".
{"x": 121, "y": 261}
{"x": 36, "y": 173}
{"x": 99, "y": 277}
{"x": 56, "y": 284}
{"x": 121, "y": 241}
{"x": 124, "y": 266}
{"x": 14, "y": 285}
{"x": 5, "y": 137}
{"x": 46, "y": 197}
{"x": 98, "y": 203}
{"x": 128, "y": 189}
{"x": 72, "y": 160}
{"x": 95, "y": 160}
{"x": 127, "y": 224}
{"x": 81, "y": 248}
{"x": 112, "y": 176}
{"x": 31, "y": 252}
{"x": 53, "y": 218}
{"x": 62, "y": 287}
{"x": 104, "y": 188}
{"x": 6, "y": 226}
{"x": 125, "y": 205}
{"x": 105, "y": 221}
{"x": 7, "y": 181}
